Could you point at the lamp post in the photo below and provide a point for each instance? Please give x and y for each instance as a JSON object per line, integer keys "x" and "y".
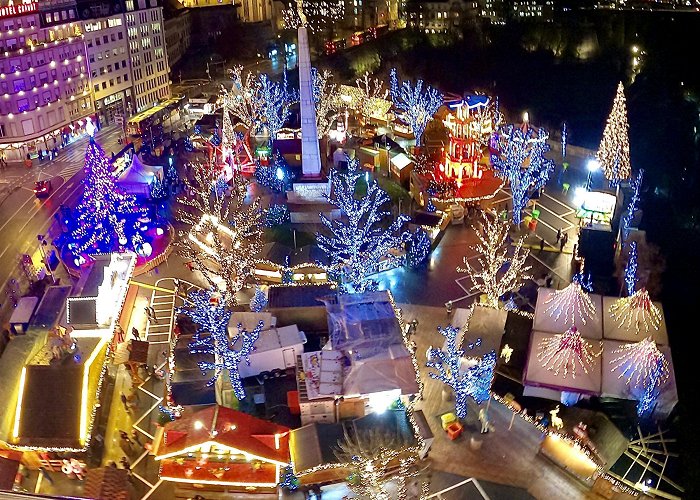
{"x": 593, "y": 165}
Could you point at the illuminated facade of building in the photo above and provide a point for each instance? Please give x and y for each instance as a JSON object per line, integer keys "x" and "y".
{"x": 44, "y": 79}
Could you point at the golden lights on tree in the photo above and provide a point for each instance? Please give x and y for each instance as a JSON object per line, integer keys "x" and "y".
{"x": 497, "y": 272}
{"x": 225, "y": 233}
{"x": 614, "y": 151}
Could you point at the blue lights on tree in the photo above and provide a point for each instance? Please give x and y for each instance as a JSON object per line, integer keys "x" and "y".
{"x": 467, "y": 378}
{"x": 276, "y": 104}
{"x": 259, "y": 300}
{"x": 564, "y": 137}
{"x": 275, "y": 215}
{"x": 358, "y": 240}
{"x": 288, "y": 480}
{"x": 417, "y": 106}
{"x": 521, "y": 161}
{"x": 585, "y": 281}
{"x": 419, "y": 248}
{"x": 633, "y": 204}
{"x": 206, "y": 309}
{"x": 157, "y": 189}
{"x": 631, "y": 269}
{"x": 658, "y": 374}
{"x": 273, "y": 176}
{"x": 106, "y": 215}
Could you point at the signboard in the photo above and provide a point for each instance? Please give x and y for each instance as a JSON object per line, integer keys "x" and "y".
{"x": 12, "y": 8}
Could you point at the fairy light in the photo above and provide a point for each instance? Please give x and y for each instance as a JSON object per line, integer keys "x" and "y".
{"x": 637, "y": 362}
{"x": 572, "y": 302}
{"x": 614, "y": 151}
{"x": 636, "y": 310}
{"x": 564, "y": 352}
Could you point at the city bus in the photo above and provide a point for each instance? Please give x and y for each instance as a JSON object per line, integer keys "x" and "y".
{"x": 148, "y": 124}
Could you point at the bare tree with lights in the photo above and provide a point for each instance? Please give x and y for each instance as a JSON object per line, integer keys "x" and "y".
{"x": 244, "y": 100}
{"x": 614, "y": 151}
{"x": 417, "y": 105}
{"x": 371, "y": 89}
{"x": 277, "y": 101}
{"x": 372, "y": 458}
{"x": 326, "y": 97}
{"x": 498, "y": 271}
{"x": 225, "y": 233}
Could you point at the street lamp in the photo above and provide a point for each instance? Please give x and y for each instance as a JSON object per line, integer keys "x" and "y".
{"x": 593, "y": 165}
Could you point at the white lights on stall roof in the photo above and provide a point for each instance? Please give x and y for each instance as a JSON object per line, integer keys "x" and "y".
{"x": 573, "y": 302}
{"x": 566, "y": 351}
{"x": 637, "y": 362}
{"x": 636, "y": 311}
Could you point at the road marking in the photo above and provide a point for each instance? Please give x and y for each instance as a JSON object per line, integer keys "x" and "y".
{"x": 560, "y": 202}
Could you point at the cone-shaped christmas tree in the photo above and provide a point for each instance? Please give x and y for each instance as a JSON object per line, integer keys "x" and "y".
{"x": 614, "y": 151}
{"x": 106, "y": 215}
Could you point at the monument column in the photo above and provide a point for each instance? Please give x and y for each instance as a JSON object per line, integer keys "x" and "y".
{"x": 310, "y": 152}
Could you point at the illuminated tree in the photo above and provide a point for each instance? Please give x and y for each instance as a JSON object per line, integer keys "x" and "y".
{"x": 244, "y": 100}
{"x": 225, "y": 233}
{"x": 106, "y": 216}
{"x": 521, "y": 161}
{"x": 358, "y": 241}
{"x": 614, "y": 150}
{"x": 371, "y": 89}
{"x": 313, "y": 14}
{"x": 497, "y": 272}
{"x": 419, "y": 248}
{"x": 276, "y": 104}
{"x": 370, "y": 457}
{"x": 417, "y": 106}
{"x": 468, "y": 377}
{"x": 206, "y": 309}
{"x": 326, "y": 97}
{"x": 259, "y": 300}
{"x": 633, "y": 204}
{"x": 631, "y": 268}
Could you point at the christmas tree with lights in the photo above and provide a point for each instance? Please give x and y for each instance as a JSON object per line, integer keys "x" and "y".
{"x": 106, "y": 215}
{"x": 614, "y": 151}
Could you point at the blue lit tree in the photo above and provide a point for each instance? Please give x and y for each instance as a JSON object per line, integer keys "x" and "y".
{"x": 157, "y": 189}
{"x": 288, "y": 480}
{"x": 275, "y": 105}
{"x": 358, "y": 240}
{"x": 417, "y": 106}
{"x": 273, "y": 176}
{"x": 259, "y": 300}
{"x": 467, "y": 378}
{"x": 275, "y": 215}
{"x": 585, "y": 281}
{"x": 631, "y": 269}
{"x": 521, "y": 161}
{"x": 419, "y": 248}
{"x": 106, "y": 215}
{"x": 206, "y": 309}
{"x": 633, "y": 204}
{"x": 564, "y": 137}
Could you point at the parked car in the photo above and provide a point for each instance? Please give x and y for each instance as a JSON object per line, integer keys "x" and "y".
{"x": 42, "y": 189}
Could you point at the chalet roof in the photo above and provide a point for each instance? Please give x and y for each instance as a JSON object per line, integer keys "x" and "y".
{"x": 227, "y": 428}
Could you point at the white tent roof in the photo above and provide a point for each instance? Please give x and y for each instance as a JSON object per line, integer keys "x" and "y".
{"x": 139, "y": 173}
{"x": 615, "y": 332}
{"x": 537, "y": 375}
{"x": 546, "y": 322}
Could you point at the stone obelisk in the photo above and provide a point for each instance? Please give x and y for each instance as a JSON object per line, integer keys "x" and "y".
{"x": 310, "y": 152}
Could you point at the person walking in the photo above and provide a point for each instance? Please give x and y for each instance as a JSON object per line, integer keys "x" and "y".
{"x": 135, "y": 435}
{"x": 548, "y": 281}
{"x": 3, "y": 163}
{"x": 125, "y": 463}
{"x": 135, "y": 333}
{"x": 565, "y": 238}
{"x": 125, "y": 437}
{"x": 558, "y": 234}
{"x": 122, "y": 396}
{"x": 541, "y": 244}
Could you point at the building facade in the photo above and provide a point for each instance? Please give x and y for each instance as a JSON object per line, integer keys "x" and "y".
{"x": 178, "y": 32}
{"x": 149, "y": 59}
{"x": 107, "y": 48}
{"x": 440, "y": 16}
{"x": 44, "y": 77}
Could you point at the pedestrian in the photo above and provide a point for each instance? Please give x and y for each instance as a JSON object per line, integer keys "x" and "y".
{"x": 125, "y": 437}
{"x": 135, "y": 333}
{"x": 548, "y": 281}
{"x": 484, "y": 419}
{"x": 124, "y": 401}
{"x": 3, "y": 162}
{"x": 125, "y": 463}
{"x": 448, "y": 306}
{"x": 541, "y": 244}
{"x": 558, "y": 234}
{"x": 135, "y": 435}
{"x": 561, "y": 244}
{"x": 566, "y": 238}
{"x": 45, "y": 474}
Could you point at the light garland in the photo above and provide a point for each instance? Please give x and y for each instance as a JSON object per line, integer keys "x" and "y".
{"x": 614, "y": 151}
{"x": 521, "y": 161}
{"x": 633, "y": 204}
{"x": 326, "y": 98}
{"x": 315, "y": 15}
{"x": 565, "y": 352}
{"x": 637, "y": 310}
{"x": 493, "y": 246}
{"x": 276, "y": 103}
{"x": 564, "y": 136}
{"x": 573, "y": 302}
{"x": 416, "y": 105}
{"x": 637, "y": 362}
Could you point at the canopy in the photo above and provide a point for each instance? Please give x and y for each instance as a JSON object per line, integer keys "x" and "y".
{"x": 137, "y": 178}
{"x": 546, "y": 319}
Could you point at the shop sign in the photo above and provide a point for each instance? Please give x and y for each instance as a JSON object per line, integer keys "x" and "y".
{"x": 11, "y": 8}
{"x": 113, "y": 98}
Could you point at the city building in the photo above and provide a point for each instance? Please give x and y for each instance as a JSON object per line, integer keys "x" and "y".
{"x": 44, "y": 79}
{"x": 532, "y": 10}
{"x": 149, "y": 60}
{"x": 439, "y": 16}
{"x": 107, "y": 48}
{"x": 178, "y": 31}
{"x": 255, "y": 11}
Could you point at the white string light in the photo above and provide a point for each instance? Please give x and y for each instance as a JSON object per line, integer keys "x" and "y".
{"x": 637, "y": 310}
{"x": 565, "y": 351}
{"x": 573, "y": 302}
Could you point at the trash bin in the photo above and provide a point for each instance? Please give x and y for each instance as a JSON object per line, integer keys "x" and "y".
{"x": 527, "y": 219}
{"x": 533, "y": 225}
{"x": 535, "y": 214}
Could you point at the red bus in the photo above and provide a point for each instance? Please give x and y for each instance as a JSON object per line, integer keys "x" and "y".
{"x": 333, "y": 46}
